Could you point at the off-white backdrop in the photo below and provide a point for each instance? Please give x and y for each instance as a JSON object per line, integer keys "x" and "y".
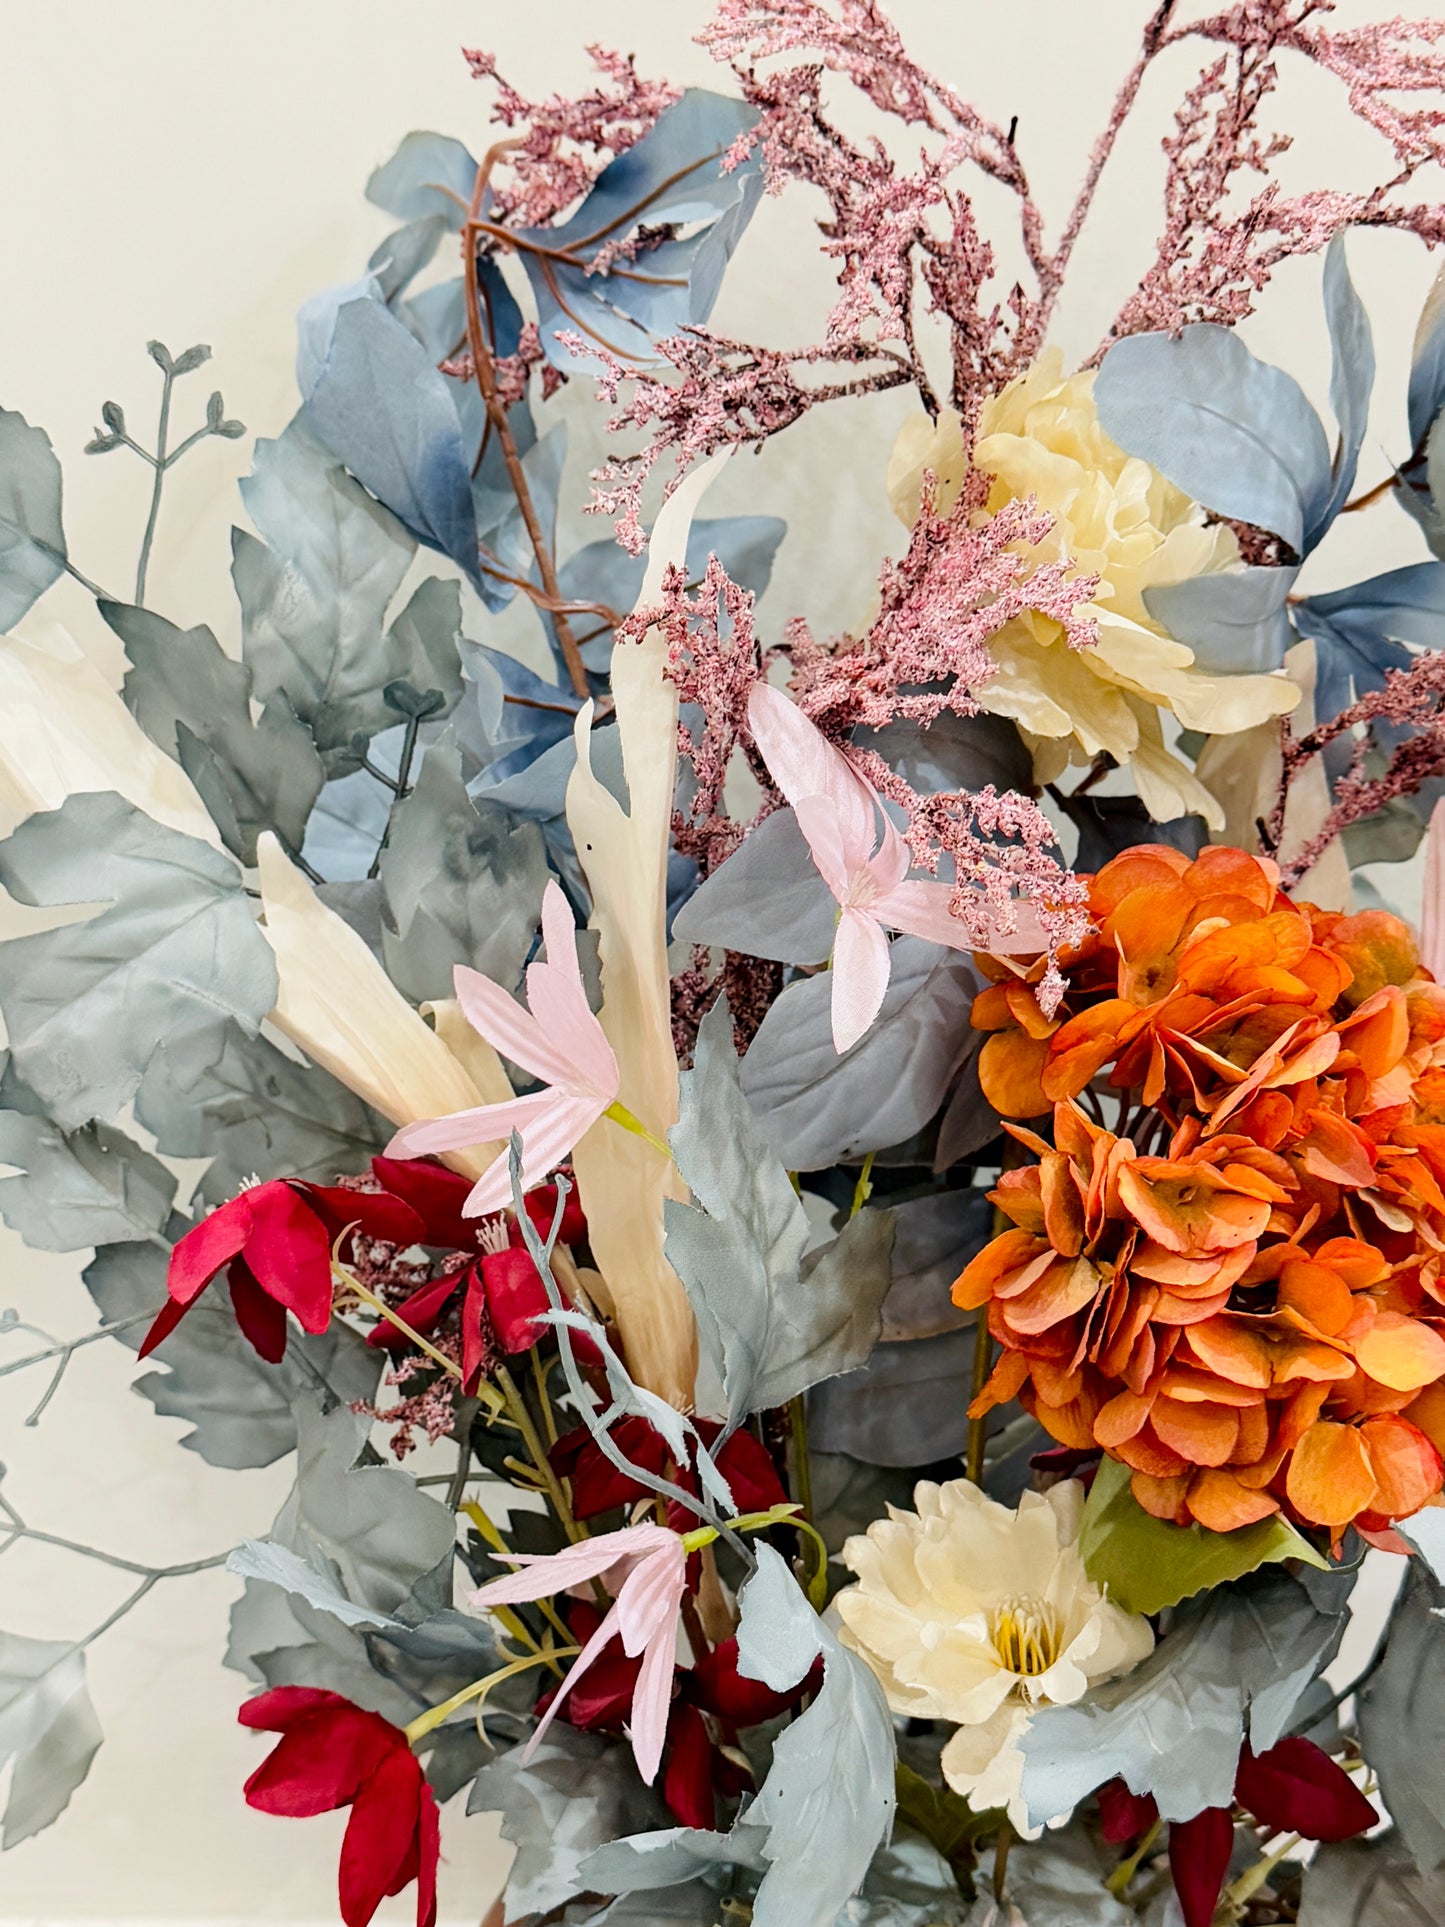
{"x": 194, "y": 173}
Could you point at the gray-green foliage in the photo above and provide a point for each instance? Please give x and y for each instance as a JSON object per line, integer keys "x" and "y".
{"x": 193, "y": 700}
{"x": 771, "y": 1323}
{"x": 240, "y": 1408}
{"x": 314, "y": 592}
{"x": 90, "y": 1186}
{"x": 463, "y": 883}
{"x": 1371, "y": 1883}
{"x": 32, "y": 536}
{"x": 254, "y": 1111}
{"x": 577, "y": 1792}
{"x": 1232, "y": 1666}
{"x": 1400, "y": 1712}
{"x": 48, "y": 1728}
{"x": 174, "y": 950}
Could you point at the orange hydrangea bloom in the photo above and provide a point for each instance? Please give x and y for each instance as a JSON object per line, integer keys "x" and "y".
{"x": 1238, "y": 1293}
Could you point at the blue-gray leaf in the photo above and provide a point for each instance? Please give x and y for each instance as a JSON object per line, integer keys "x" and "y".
{"x": 312, "y": 1577}
{"x": 1364, "y": 630}
{"x": 1352, "y": 378}
{"x": 176, "y": 947}
{"x": 819, "y": 1108}
{"x": 428, "y": 174}
{"x": 1427, "y": 366}
{"x": 1232, "y": 431}
{"x": 1370, "y": 1883}
{"x": 93, "y": 1186}
{"x": 380, "y": 405}
{"x": 672, "y": 178}
{"x": 1400, "y": 1709}
{"x": 1236, "y": 622}
{"x": 32, "y": 536}
{"x": 767, "y": 900}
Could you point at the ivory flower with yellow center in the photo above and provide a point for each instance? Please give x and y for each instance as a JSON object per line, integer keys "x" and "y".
{"x": 1120, "y": 519}
{"x": 974, "y": 1613}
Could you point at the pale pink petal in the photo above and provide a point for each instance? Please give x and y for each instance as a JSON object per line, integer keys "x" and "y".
{"x": 487, "y": 1124}
{"x": 605, "y": 1632}
{"x": 651, "y": 1596}
{"x": 1028, "y": 937}
{"x": 818, "y": 820}
{"x": 559, "y": 1121}
{"x": 543, "y": 1573}
{"x": 652, "y": 1700}
{"x": 802, "y": 762}
{"x": 860, "y": 976}
{"x": 1432, "y": 910}
{"x": 558, "y": 1003}
{"x": 921, "y": 909}
{"x": 890, "y": 865}
{"x": 509, "y": 1028}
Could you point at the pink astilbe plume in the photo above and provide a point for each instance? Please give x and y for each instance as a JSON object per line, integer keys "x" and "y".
{"x": 567, "y": 142}
{"x": 960, "y": 582}
{"x": 1413, "y": 699}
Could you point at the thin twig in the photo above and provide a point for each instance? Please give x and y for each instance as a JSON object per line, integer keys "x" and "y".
{"x": 159, "y": 465}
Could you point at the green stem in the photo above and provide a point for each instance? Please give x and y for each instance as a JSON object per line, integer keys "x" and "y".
{"x": 863, "y": 1189}
{"x": 620, "y": 1114}
{"x": 536, "y": 1452}
{"x": 1119, "y": 1879}
{"x": 802, "y": 1469}
{"x": 159, "y": 464}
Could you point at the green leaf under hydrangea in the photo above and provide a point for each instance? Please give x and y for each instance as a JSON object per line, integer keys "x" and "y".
{"x": 1147, "y": 1564}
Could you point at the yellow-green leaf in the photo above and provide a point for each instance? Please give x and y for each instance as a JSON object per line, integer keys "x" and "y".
{"x": 1147, "y": 1564}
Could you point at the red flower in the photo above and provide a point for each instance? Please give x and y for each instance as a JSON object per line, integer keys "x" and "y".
{"x": 1293, "y": 1788}
{"x": 504, "y": 1298}
{"x": 274, "y": 1243}
{"x": 598, "y": 1486}
{"x": 332, "y": 1754}
{"x": 437, "y": 1195}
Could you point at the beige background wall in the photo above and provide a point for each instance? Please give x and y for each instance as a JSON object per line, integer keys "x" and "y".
{"x": 194, "y": 172}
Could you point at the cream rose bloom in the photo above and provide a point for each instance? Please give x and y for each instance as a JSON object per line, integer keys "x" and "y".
{"x": 975, "y": 1614}
{"x": 1120, "y": 519}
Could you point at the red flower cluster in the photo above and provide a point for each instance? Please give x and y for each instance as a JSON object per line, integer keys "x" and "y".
{"x": 1293, "y": 1788}
{"x": 333, "y": 1754}
{"x": 1238, "y": 1292}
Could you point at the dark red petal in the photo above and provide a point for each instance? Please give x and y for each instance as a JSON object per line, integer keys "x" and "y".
{"x": 262, "y": 1320}
{"x": 166, "y": 1320}
{"x": 1199, "y": 1851}
{"x": 751, "y": 1474}
{"x": 687, "y": 1777}
{"x": 375, "y": 1214}
{"x": 422, "y": 1311}
{"x": 201, "y": 1253}
{"x": 542, "y": 1208}
{"x": 289, "y": 1250}
{"x": 603, "y": 1695}
{"x": 716, "y": 1685}
{"x": 278, "y": 1710}
{"x": 428, "y": 1853}
{"x": 436, "y": 1195}
{"x": 1298, "y": 1788}
{"x": 516, "y": 1297}
{"x": 322, "y": 1762}
{"x": 1126, "y": 1816}
{"x": 597, "y": 1485}
{"x": 476, "y": 1322}
{"x": 380, "y": 1837}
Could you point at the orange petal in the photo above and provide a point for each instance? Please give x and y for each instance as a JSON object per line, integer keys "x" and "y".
{"x": 1401, "y": 1352}
{"x": 1379, "y": 948}
{"x": 1407, "y": 1466}
{"x": 999, "y": 1259}
{"x": 1024, "y": 1008}
{"x": 1428, "y": 1413}
{"x": 1063, "y": 1206}
{"x": 1330, "y": 1478}
{"x": 1124, "y": 1415}
{"x": 1066, "y": 1287}
{"x": 1379, "y": 1031}
{"x": 1145, "y": 866}
{"x": 1009, "y": 1066}
{"x": 1337, "y": 1150}
{"x": 1221, "y": 1504}
{"x": 1200, "y": 1434}
{"x": 1317, "y": 1292}
{"x": 1185, "y": 1211}
{"x": 1163, "y": 1498}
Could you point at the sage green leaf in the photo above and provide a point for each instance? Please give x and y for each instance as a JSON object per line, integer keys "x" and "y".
{"x": 771, "y": 1323}
{"x": 194, "y": 702}
{"x": 47, "y": 1727}
{"x": 240, "y": 1408}
{"x": 314, "y": 592}
{"x": 424, "y": 642}
{"x": 463, "y": 883}
{"x": 1399, "y": 1712}
{"x": 1148, "y": 1564}
{"x": 1232, "y": 1666}
{"x": 32, "y": 536}
{"x": 92, "y": 1186}
{"x": 313, "y": 1577}
{"x": 175, "y": 947}
{"x": 1371, "y": 1883}
{"x": 254, "y": 1111}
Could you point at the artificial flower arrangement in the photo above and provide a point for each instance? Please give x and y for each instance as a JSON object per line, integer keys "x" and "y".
{"x": 919, "y": 1334}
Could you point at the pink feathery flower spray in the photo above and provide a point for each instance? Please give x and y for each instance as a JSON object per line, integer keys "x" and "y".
{"x": 839, "y": 814}
{"x": 645, "y": 1568}
{"x": 558, "y": 1040}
